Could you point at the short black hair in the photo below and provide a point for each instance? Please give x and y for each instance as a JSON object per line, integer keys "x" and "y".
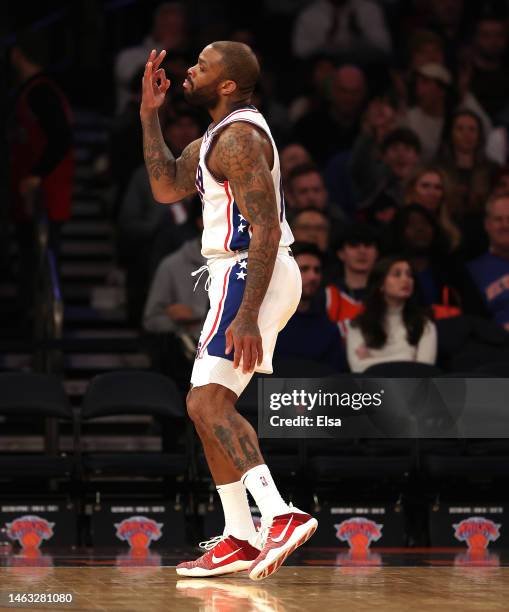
{"x": 301, "y": 170}
{"x": 358, "y": 233}
{"x": 240, "y": 65}
{"x": 401, "y": 135}
{"x": 307, "y": 248}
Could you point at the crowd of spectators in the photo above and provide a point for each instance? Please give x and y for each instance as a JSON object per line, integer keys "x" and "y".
{"x": 392, "y": 121}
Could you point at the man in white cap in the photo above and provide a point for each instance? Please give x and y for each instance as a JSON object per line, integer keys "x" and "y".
{"x": 432, "y": 93}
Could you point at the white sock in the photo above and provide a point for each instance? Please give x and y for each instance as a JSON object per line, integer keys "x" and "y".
{"x": 260, "y": 484}
{"x": 237, "y": 514}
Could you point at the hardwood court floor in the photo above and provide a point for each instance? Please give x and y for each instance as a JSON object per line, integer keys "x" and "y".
{"x": 311, "y": 589}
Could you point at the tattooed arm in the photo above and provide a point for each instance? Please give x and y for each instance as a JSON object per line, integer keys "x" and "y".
{"x": 241, "y": 156}
{"x": 170, "y": 179}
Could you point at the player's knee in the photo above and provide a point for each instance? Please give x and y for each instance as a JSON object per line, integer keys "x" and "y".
{"x": 199, "y": 405}
{"x": 193, "y": 405}
{"x": 205, "y": 404}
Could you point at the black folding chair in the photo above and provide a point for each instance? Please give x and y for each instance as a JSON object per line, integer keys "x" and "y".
{"x": 135, "y": 393}
{"x": 35, "y": 403}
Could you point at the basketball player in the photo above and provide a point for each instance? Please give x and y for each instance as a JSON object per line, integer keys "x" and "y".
{"x": 254, "y": 288}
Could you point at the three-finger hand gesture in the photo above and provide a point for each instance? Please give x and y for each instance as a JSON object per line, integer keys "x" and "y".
{"x": 154, "y": 83}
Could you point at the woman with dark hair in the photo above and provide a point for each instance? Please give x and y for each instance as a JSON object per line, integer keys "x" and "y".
{"x": 393, "y": 326}
{"x": 430, "y": 187}
{"x": 464, "y": 160}
{"x": 442, "y": 281}
{"x": 472, "y": 174}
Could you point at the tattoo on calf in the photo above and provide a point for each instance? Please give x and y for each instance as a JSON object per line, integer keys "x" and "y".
{"x": 228, "y": 442}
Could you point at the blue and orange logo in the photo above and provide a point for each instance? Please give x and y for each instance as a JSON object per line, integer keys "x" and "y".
{"x": 477, "y": 532}
{"x": 30, "y": 530}
{"x": 139, "y": 531}
{"x": 359, "y": 533}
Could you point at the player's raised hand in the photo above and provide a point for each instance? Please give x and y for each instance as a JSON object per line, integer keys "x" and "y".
{"x": 154, "y": 83}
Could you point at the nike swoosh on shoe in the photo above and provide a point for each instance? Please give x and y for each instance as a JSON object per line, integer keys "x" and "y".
{"x": 217, "y": 560}
{"x": 283, "y": 533}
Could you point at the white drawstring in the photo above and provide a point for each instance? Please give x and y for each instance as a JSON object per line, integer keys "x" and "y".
{"x": 201, "y": 271}
{"x": 212, "y": 543}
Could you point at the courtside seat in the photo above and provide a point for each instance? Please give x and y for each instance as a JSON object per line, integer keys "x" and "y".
{"x": 402, "y": 369}
{"x": 117, "y": 394}
{"x": 30, "y": 401}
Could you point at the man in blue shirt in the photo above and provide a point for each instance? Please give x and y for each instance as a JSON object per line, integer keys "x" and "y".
{"x": 309, "y": 334}
{"x": 490, "y": 271}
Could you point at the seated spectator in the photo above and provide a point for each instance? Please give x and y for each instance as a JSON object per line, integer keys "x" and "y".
{"x": 392, "y": 327}
{"x": 447, "y": 20}
{"x": 363, "y": 161}
{"x": 400, "y": 154}
{"x": 309, "y": 334}
{"x": 430, "y": 187}
{"x": 472, "y": 175}
{"x": 312, "y": 225}
{"x": 169, "y": 31}
{"x": 291, "y": 155}
{"x": 501, "y": 181}
{"x": 175, "y": 310}
{"x": 488, "y": 79}
{"x": 358, "y": 251}
{"x": 464, "y": 160}
{"x": 319, "y": 73}
{"x": 171, "y": 300}
{"x": 442, "y": 281}
{"x": 432, "y": 100}
{"x": 140, "y": 221}
{"x": 490, "y": 271}
{"x": 332, "y": 26}
{"x": 307, "y": 189}
{"x": 146, "y": 229}
{"x": 333, "y": 128}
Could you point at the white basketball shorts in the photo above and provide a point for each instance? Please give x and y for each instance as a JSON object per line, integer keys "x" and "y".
{"x": 227, "y": 281}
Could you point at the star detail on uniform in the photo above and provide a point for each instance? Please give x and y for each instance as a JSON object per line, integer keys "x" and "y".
{"x": 241, "y": 275}
{"x": 241, "y": 228}
{"x": 243, "y": 264}
{"x": 241, "y": 217}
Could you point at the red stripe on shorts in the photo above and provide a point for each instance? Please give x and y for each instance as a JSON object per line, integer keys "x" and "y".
{"x": 213, "y": 330}
{"x": 228, "y": 212}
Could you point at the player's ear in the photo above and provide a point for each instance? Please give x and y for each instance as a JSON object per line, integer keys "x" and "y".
{"x": 228, "y": 87}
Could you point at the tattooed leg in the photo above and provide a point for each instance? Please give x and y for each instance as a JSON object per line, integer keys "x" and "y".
{"x": 229, "y": 441}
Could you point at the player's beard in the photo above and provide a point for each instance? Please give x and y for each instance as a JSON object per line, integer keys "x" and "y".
{"x": 205, "y": 97}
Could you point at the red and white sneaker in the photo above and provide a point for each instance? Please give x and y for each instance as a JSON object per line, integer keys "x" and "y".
{"x": 225, "y": 555}
{"x": 285, "y": 533}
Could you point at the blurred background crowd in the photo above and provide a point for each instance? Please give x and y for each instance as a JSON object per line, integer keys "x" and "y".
{"x": 391, "y": 118}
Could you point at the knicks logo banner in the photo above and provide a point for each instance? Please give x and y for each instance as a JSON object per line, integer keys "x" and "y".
{"x": 477, "y": 532}
{"x": 30, "y": 530}
{"x": 359, "y": 532}
{"x": 138, "y": 531}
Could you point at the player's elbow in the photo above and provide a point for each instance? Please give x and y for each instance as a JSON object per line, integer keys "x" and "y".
{"x": 162, "y": 196}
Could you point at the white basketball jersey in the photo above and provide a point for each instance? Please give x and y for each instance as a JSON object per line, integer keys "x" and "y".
{"x": 225, "y": 230}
